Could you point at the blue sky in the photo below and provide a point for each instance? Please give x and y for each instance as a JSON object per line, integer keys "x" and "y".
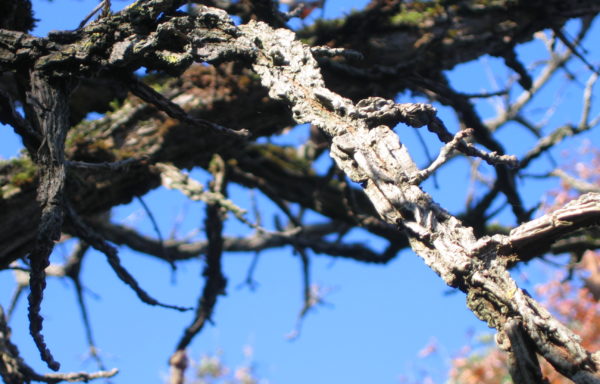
{"x": 376, "y": 320}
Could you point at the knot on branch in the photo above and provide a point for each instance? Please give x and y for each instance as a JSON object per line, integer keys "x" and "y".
{"x": 416, "y": 115}
{"x": 377, "y": 111}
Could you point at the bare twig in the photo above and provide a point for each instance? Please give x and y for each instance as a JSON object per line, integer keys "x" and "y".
{"x": 573, "y": 48}
{"x": 587, "y": 103}
{"x": 86, "y": 233}
{"x": 73, "y": 377}
{"x": 442, "y": 158}
{"x": 577, "y": 184}
{"x": 122, "y": 165}
{"x": 309, "y": 236}
{"x": 166, "y": 254}
{"x": 310, "y": 297}
{"x": 14, "y": 371}
{"x": 568, "y": 130}
{"x": 149, "y": 95}
{"x": 556, "y": 62}
{"x": 215, "y": 282}
{"x": 104, "y": 5}
{"x": 174, "y": 178}
{"x": 249, "y": 280}
{"x": 72, "y": 270}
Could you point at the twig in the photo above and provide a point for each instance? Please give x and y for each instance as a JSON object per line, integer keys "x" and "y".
{"x": 271, "y": 194}
{"x": 376, "y": 111}
{"x": 215, "y": 281}
{"x": 308, "y": 301}
{"x": 174, "y": 178}
{"x": 442, "y": 157}
{"x": 427, "y": 155}
{"x": 249, "y": 280}
{"x": 309, "y": 236}
{"x": 22, "y": 280}
{"x": 72, "y": 270}
{"x": 103, "y": 4}
{"x": 572, "y": 46}
{"x": 584, "y": 123}
{"x": 577, "y": 184}
{"x": 122, "y": 165}
{"x": 492, "y": 158}
{"x": 15, "y": 371}
{"x": 557, "y": 61}
{"x": 149, "y": 95}
{"x": 86, "y": 233}
{"x": 74, "y": 376}
{"x": 166, "y": 254}
{"x": 484, "y": 95}
{"x": 10, "y": 116}
{"x": 325, "y": 51}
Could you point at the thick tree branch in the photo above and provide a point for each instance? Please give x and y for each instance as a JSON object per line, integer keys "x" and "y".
{"x": 374, "y": 158}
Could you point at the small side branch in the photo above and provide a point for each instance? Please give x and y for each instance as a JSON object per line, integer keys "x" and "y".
{"x": 14, "y": 370}
{"x": 149, "y": 95}
{"x": 166, "y": 254}
{"x": 113, "y": 166}
{"x": 174, "y": 178}
{"x": 538, "y": 235}
{"x": 215, "y": 280}
{"x": 10, "y": 116}
{"x": 86, "y": 233}
{"x": 492, "y": 158}
{"x": 309, "y": 299}
{"x": 48, "y": 112}
{"x": 442, "y": 158}
{"x": 376, "y": 111}
{"x": 72, "y": 269}
{"x": 577, "y": 184}
{"x": 73, "y": 377}
{"x": 524, "y": 366}
{"x": 104, "y": 5}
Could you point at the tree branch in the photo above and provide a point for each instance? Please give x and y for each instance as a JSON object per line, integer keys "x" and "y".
{"x": 374, "y": 158}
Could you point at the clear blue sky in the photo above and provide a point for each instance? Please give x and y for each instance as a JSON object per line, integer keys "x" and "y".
{"x": 378, "y": 317}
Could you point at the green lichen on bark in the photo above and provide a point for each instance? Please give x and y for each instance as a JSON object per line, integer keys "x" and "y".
{"x": 16, "y": 174}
